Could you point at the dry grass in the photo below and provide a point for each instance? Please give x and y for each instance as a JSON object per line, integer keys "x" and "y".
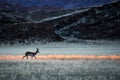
{"x": 60, "y": 69}
{"x": 62, "y": 57}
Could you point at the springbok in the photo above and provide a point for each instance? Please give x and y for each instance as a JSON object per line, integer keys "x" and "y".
{"x": 32, "y": 54}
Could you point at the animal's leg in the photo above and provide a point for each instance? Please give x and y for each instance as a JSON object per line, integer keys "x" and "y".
{"x": 23, "y": 57}
{"x": 26, "y": 57}
{"x": 35, "y": 57}
{"x": 31, "y": 57}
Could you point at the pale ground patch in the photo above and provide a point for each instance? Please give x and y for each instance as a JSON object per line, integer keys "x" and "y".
{"x": 61, "y": 57}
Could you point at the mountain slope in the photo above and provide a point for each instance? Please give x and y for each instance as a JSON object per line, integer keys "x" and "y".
{"x": 91, "y": 23}
{"x": 96, "y": 23}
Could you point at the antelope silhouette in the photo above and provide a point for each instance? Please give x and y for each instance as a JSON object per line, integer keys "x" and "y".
{"x": 32, "y": 54}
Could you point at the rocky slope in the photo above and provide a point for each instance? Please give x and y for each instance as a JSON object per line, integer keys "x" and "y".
{"x": 91, "y": 23}
{"x": 97, "y": 23}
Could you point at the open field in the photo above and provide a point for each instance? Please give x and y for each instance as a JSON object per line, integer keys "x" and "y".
{"x": 84, "y": 47}
{"x": 87, "y": 60}
{"x": 60, "y": 70}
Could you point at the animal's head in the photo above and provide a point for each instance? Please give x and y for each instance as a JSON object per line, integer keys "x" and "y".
{"x": 37, "y": 50}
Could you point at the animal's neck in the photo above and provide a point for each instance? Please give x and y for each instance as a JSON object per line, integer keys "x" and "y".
{"x": 36, "y": 52}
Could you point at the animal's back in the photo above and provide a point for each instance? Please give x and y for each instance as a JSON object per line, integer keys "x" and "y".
{"x": 29, "y": 53}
